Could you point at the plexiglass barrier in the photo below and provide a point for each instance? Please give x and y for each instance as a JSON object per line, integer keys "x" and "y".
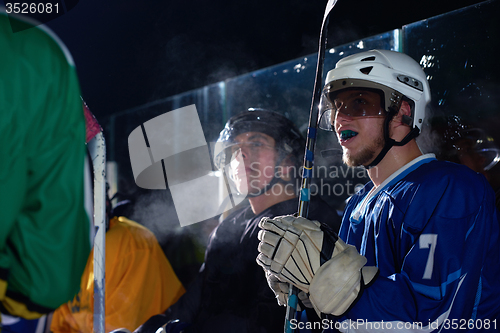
{"x": 457, "y": 51}
{"x": 285, "y": 88}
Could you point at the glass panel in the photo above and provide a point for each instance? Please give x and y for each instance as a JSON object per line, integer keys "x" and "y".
{"x": 285, "y": 88}
{"x": 458, "y": 52}
{"x": 209, "y": 102}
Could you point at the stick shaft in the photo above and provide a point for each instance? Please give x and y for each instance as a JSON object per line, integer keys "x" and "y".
{"x": 305, "y": 195}
{"x": 97, "y": 149}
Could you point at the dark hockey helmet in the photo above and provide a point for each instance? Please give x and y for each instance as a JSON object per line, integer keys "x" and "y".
{"x": 288, "y": 140}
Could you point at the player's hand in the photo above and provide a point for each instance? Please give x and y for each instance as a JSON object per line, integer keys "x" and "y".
{"x": 310, "y": 256}
{"x": 281, "y": 290}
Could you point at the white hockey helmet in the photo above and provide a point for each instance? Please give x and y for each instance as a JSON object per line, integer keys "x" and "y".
{"x": 395, "y": 74}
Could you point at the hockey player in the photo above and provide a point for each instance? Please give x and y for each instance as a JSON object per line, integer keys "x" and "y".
{"x": 45, "y": 231}
{"x": 418, "y": 249}
{"x": 230, "y": 294}
{"x": 140, "y": 282}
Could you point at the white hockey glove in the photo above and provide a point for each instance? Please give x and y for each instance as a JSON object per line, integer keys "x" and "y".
{"x": 310, "y": 256}
{"x": 281, "y": 290}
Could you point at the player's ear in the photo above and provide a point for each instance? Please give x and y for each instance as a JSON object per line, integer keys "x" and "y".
{"x": 404, "y": 115}
{"x": 405, "y": 109}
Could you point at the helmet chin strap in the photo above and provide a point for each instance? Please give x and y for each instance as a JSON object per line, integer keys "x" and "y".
{"x": 389, "y": 142}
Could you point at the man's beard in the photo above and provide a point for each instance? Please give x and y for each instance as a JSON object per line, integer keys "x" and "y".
{"x": 365, "y": 156}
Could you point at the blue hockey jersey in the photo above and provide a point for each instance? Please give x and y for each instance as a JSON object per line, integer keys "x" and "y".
{"x": 433, "y": 231}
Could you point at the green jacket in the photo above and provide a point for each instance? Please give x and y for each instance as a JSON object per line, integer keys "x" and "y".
{"x": 44, "y": 229}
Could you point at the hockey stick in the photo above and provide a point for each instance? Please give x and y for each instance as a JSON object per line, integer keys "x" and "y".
{"x": 305, "y": 194}
{"x": 97, "y": 150}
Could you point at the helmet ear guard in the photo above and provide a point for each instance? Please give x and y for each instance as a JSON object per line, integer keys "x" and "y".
{"x": 407, "y": 120}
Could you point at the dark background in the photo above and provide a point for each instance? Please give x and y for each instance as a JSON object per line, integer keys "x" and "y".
{"x": 129, "y": 53}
